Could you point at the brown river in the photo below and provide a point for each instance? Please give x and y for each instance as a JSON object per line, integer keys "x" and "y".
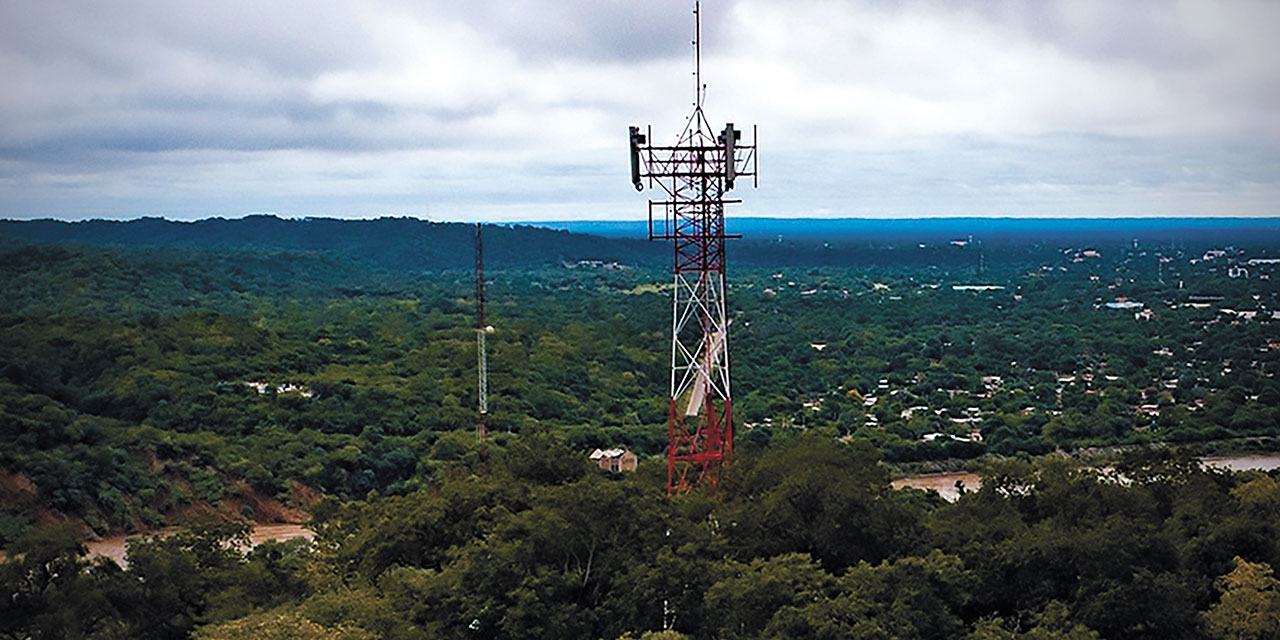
{"x": 114, "y": 546}
{"x": 945, "y": 483}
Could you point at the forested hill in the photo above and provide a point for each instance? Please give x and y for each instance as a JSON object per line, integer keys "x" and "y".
{"x": 409, "y": 244}
{"x": 955, "y": 242}
{"x": 993, "y": 230}
{"x": 400, "y": 243}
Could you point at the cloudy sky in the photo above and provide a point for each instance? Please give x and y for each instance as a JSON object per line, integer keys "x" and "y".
{"x": 517, "y": 110}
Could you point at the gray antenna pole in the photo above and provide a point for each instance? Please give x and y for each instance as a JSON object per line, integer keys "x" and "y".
{"x": 697, "y": 54}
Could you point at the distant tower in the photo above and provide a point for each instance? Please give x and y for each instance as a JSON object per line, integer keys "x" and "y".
{"x": 695, "y": 174}
{"x": 482, "y": 360}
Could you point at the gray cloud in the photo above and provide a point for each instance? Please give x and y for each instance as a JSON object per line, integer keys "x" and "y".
{"x": 498, "y": 109}
{"x": 594, "y": 30}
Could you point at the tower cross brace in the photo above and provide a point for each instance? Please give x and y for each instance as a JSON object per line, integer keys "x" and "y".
{"x": 693, "y": 177}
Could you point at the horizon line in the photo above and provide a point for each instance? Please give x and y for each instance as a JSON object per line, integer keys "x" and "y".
{"x": 807, "y": 218}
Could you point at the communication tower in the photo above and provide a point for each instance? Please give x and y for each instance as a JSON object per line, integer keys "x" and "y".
{"x": 482, "y": 361}
{"x": 694, "y": 176}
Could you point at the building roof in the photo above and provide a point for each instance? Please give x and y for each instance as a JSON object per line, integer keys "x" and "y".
{"x": 608, "y": 453}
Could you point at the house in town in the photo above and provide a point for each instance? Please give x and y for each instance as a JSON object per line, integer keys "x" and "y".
{"x": 616, "y": 460}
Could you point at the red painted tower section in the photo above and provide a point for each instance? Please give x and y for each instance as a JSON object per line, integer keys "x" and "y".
{"x": 694, "y": 175}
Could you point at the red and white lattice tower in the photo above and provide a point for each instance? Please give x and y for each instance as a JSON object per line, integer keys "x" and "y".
{"x": 695, "y": 174}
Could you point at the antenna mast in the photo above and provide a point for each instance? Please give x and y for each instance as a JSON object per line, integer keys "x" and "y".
{"x": 694, "y": 176}
{"x": 482, "y": 328}
{"x": 697, "y": 55}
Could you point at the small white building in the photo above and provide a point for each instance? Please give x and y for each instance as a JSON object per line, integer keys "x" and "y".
{"x": 616, "y": 460}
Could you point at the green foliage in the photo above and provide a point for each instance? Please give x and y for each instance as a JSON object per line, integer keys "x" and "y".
{"x": 173, "y": 584}
{"x": 655, "y": 635}
{"x": 151, "y": 378}
{"x": 1046, "y": 549}
{"x": 281, "y": 625}
{"x": 1051, "y": 624}
{"x": 172, "y": 363}
{"x": 542, "y": 457}
{"x": 43, "y": 584}
{"x": 911, "y": 598}
{"x": 13, "y": 526}
{"x": 743, "y": 601}
{"x": 830, "y": 502}
{"x": 1250, "y": 604}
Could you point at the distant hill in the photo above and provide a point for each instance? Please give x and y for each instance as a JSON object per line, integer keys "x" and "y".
{"x": 413, "y": 244}
{"x": 956, "y": 242}
{"x": 992, "y": 230}
{"x": 402, "y": 243}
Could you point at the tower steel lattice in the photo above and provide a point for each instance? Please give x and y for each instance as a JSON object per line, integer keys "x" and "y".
{"x": 694, "y": 176}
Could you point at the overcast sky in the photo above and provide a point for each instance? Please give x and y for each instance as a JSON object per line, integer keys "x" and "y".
{"x": 517, "y": 110}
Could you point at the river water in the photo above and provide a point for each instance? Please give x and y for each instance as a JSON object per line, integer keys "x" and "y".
{"x": 945, "y": 483}
{"x": 1258, "y": 461}
{"x": 948, "y": 485}
{"x": 114, "y": 546}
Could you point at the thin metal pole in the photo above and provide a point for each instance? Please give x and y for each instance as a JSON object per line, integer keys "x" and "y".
{"x": 697, "y": 54}
{"x": 482, "y": 361}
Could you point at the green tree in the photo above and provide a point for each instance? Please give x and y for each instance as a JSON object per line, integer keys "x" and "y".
{"x": 816, "y": 496}
{"x": 1053, "y": 623}
{"x": 47, "y": 591}
{"x": 287, "y": 624}
{"x": 910, "y": 598}
{"x": 1249, "y": 608}
{"x": 541, "y": 456}
{"x": 741, "y": 603}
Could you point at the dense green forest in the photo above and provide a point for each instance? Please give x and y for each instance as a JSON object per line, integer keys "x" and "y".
{"x": 805, "y": 540}
{"x": 154, "y": 374}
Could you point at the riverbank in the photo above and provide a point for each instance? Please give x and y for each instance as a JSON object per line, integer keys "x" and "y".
{"x": 1227, "y": 448}
{"x": 115, "y": 547}
{"x": 950, "y": 484}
